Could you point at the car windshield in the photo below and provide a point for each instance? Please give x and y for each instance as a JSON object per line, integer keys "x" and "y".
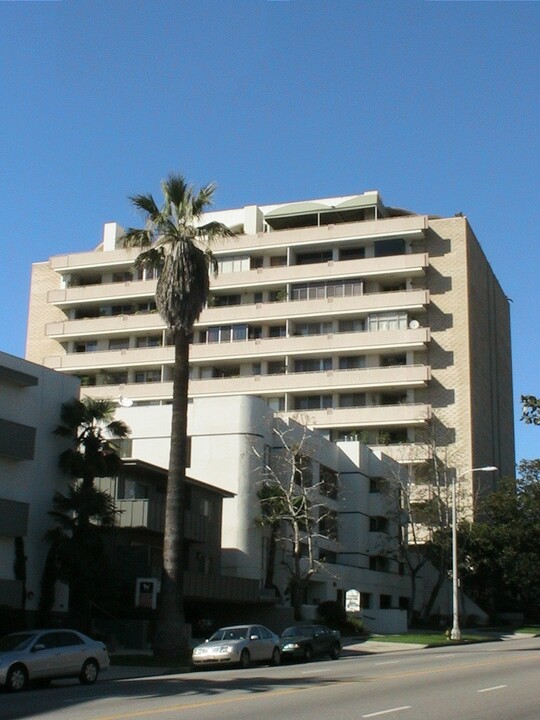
{"x": 16, "y": 642}
{"x": 232, "y": 633}
{"x": 293, "y": 632}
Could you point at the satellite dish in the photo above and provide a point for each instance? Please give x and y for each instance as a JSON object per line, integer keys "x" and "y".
{"x": 414, "y": 324}
{"x": 124, "y": 401}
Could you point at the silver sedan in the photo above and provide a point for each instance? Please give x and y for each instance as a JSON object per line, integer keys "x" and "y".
{"x": 43, "y": 655}
{"x": 240, "y": 645}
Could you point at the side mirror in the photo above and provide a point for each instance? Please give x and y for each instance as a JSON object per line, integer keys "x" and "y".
{"x": 253, "y": 637}
{"x": 37, "y": 647}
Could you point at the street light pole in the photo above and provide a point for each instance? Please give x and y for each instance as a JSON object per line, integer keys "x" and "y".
{"x": 455, "y": 634}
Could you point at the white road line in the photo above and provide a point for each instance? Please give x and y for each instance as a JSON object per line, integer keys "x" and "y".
{"x": 495, "y": 687}
{"x": 385, "y": 712}
{"x": 388, "y": 662}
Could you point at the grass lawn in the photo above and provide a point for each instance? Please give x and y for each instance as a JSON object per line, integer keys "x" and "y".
{"x": 529, "y": 629}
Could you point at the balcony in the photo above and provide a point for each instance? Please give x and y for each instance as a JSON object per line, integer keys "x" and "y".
{"x": 372, "y": 416}
{"x": 151, "y": 515}
{"x": 102, "y": 293}
{"x": 411, "y": 376}
{"x": 409, "y": 339}
{"x": 396, "y": 266}
{"x": 326, "y": 307}
{"x": 410, "y": 226}
{"x": 108, "y": 326}
{"x": 117, "y": 259}
{"x": 111, "y": 360}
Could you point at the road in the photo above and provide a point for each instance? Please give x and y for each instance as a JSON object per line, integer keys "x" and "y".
{"x": 492, "y": 681}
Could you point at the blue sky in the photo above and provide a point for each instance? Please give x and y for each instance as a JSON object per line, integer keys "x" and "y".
{"x": 434, "y": 104}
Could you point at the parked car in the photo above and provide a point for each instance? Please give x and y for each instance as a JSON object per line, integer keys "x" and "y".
{"x": 306, "y": 641}
{"x": 239, "y": 644}
{"x": 44, "y": 655}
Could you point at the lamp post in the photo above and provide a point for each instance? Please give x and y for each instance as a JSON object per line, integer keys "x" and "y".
{"x": 456, "y": 632}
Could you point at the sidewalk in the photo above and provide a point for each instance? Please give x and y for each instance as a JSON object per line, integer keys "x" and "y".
{"x": 351, "y": 647}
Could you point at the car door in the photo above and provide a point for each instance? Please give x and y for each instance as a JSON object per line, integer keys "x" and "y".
{"x": 256, "y": 644}
{"x": 45, "y": 656}
{"x": 72, "y": 652}
{"x": 267, "y": 643}
{"x": 320, "y": 640}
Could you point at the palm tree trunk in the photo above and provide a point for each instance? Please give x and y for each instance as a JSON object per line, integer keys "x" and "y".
{"x": 170, "y": 639}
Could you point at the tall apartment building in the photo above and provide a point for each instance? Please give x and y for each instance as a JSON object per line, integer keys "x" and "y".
{"x": 364, "y": 321}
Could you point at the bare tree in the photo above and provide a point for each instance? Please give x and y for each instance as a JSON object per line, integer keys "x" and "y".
{"x": 422, "y": 510}
{"x": 299, "y": 506}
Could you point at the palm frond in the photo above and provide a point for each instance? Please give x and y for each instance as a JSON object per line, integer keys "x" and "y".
{"x": 175, "y": 189}
{"x": 136, "y": 237}
{"x": 146, "y": 205}
{"x": 150, "y": 259}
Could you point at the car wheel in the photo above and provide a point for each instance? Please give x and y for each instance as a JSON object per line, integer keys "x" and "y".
{"x": 335, "y": 652}
{"x": 308, "y": 653}
{"x": 276, "y": 656}
{"x": 89, "y": 672}
{"x": 244, "y": 659}
{"x": 17, "y": 678}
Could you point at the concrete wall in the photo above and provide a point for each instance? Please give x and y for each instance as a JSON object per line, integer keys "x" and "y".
{"x": 30, "y": 396}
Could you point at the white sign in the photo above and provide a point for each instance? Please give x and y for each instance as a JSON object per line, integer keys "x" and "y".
{"x": 352, "y": 601}
{"x": 146, "y": 592}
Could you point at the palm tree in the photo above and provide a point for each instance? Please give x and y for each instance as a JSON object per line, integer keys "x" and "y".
{"x": 77, "y": 555}
{"x": 179, "y": 247}
{"x": 90, "y": 424}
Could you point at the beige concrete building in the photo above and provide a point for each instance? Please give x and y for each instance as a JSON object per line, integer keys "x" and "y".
{"x": 366, "y": 322}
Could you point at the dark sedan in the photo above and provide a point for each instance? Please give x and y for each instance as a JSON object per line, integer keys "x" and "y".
{"x": 304, "y": 642}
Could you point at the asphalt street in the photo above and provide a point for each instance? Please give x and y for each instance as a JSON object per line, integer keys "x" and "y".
{"x": 491, "y": 681}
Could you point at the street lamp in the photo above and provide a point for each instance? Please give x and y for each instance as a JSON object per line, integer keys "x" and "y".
{"x": 456, "y": 632}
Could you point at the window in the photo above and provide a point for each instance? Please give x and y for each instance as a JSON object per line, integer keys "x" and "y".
{"x": 254, "y": 332}
{"x": 378, "y": 563}
{"x": 146, "y": 307}
{"x": 393, "y": 360}
{"x": 393, "y": 246}
{"x": 88, "y": 346}
{"x": 276, "y": 367}
{"x": 313, "y": 328}
{"x": 393, "y": 398}
{"x": 352, "y": 400}
{"x": 352, "y": 362}
{"x": 149, "y": 341}
{"x": 378, "y": 524}
{"x": 148, "y": 376}
{"x": 375, "y": 484}
{"x": 122, "y": 277}
{"x": 256, "y": 261}
{"x": 275, "y": 331}
{"x": 312, "y": 365}
{"x": 387, "y": 321}
{"x": 227, "y": 300}
{"x": 278, "y": 261}
{"x": 257, "y": 298}
{"x": 226, "y": 371}
{"x": 121, "y": 310}
{"x": 320, "y": 290}
{"x": 119, "y": 344}
{"x": 256, "y": 368}
{"x": 365, "y": 600}
{"x": 385, "y": 602}
{"x": 115, "y": 378}
{"x": 352, "y": 253}
{"x": 277, "y": 404}
{"x": 352, "y": 325}
{"x": 131, "y": 489}
{"x": 329, "y": 482}
{"x": 303, "y": 471}
{"x": 148, "y": 273}
{"x": 312, "y": 402}
{"x": 233, "y": 263}
{"x": 225, "y": 334}
{"x": 313, "y": 257}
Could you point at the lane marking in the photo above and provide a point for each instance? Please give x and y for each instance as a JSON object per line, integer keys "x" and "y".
{"x": 388, "y": 662}
{"x": 179, "y": 707}
{"x": 495, "y": 687}
{"x": 385, "y": 712}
